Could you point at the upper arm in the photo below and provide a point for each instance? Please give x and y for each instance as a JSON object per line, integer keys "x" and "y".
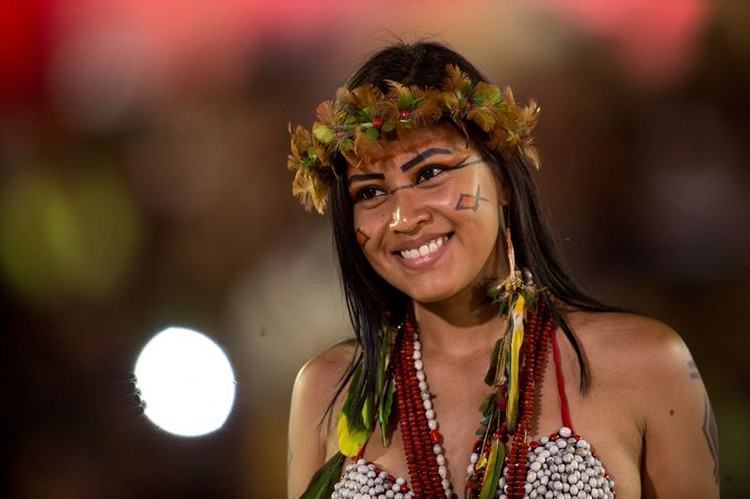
{"x": 313, "y": 389}
{"x": 680, "y": 455}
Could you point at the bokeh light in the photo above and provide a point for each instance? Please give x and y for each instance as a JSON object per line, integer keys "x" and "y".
{"x": 185, "y": 382}
{"x": 78, "y": 236}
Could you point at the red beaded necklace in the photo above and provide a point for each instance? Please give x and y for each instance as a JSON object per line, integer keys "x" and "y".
{"x": 419, "y": 440}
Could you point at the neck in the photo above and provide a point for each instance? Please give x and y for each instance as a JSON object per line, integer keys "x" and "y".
{"x": 460, "y": 326}
{"x": 467, "y": 322}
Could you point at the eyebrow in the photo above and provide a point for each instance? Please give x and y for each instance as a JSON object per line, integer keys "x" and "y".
{"x": 360, "y": 177}
{"x": 419, "y": 158}
{"x": 422, "y": 156}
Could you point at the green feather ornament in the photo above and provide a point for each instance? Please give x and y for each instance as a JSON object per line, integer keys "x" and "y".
{"x": 384, "y": 411}
{"x": 322, "y": 483}
{"x": 384, "y": 385}
{"x": 494, "y": 468}
{"x": 514, "y": 366}
{"x": 354, "y": 427}
{"x": 491, "y": 377}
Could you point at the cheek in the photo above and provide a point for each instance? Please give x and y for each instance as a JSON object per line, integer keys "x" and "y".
{"x": 368, "y": 227}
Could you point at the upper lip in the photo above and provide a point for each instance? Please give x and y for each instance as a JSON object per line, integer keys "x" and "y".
{"x": 417, "y": 242}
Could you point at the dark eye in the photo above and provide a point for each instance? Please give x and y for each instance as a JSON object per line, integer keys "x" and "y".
{"x": 429, "y": 172}
{"x": 367, "y": 193}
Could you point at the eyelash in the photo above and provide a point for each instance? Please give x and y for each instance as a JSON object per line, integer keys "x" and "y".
{"x": 360, "y": 195}
{"x": 427, "y": 168}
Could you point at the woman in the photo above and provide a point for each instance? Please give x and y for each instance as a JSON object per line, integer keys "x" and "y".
{"x": 479, "y": 368}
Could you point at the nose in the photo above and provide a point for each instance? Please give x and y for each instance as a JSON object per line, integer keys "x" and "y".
{"x": 409, "y": 212}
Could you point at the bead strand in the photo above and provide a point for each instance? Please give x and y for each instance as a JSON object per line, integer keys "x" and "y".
{"x": 516, "y": 463}
{"x": 420, "y": 468}
{"x": 436, "y": 482}
{"x": 436, "y": 439}
{"x": 405, "y": 416}
{"x": 423, "y": 466}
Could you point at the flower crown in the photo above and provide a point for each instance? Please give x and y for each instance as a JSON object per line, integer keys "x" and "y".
{"x": 365, "y": 115}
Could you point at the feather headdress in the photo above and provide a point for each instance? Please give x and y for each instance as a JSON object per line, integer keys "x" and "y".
{"x": 363, "y": 115}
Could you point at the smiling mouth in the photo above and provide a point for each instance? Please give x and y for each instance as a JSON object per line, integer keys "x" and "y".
{"x": 426, "y": 249}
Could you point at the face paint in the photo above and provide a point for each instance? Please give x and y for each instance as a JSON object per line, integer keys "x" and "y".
{"x": 362, "y": 238}
{"x": 469, "y": 201}
{"x": 418, "y": 203}
{"x": 395, "y": 218}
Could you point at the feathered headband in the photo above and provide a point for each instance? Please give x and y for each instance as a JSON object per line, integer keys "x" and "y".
{"x": 365, "y": 114}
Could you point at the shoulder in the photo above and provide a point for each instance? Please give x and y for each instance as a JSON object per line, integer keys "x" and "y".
{"x": 325, "y": 369}
{"x": 642, "y": 344}
{"x": 314, "y": 387}
{"x": 640, "y": 359}
{"x": 319, "y": 378}
{"x": 643, "y": 367}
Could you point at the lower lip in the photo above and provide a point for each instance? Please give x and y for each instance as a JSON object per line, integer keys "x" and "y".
{"x": 423, "y": 261}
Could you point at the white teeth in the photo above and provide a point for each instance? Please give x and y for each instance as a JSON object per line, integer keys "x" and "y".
{"x": 425, "y": 249}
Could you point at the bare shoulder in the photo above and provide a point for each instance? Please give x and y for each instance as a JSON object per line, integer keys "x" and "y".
{"x": 621, "y": 338}
{"x": 642, "y": 347}
{"x": 319, "y": 377}
{"x": 314, "y": 387}
{"x": 644, "y": 379}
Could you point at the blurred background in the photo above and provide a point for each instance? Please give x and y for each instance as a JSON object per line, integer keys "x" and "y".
{"x": 143, "y": 185}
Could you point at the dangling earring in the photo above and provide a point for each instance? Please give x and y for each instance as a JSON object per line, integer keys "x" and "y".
{"x": 514, "y": 280}
{"x": 501, "y": 292}
{"x": 513, "y": 296}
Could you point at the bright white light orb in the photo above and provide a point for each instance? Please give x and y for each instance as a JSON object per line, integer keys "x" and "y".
{"x": 185, "y": 381}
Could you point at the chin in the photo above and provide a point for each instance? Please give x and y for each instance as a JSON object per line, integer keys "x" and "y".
{"x": 430, "y": 292}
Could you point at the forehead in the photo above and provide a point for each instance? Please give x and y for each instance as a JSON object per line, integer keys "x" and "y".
{"x": 384, "y": 155}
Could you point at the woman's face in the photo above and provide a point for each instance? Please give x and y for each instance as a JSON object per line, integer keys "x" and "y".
{"x": 426, "y": 213}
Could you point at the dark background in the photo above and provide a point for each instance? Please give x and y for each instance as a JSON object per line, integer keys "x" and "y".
{"x": 143, "y": 184}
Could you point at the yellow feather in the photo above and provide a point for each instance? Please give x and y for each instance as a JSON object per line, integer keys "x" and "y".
{"x": 350, "y": 442}
{"x": 489, "y": 484}
{"x": 515, "y": 359}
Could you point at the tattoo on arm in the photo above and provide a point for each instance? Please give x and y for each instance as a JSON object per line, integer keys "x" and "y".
{"x": 362, "y": 238}
{"x": 711, "y": 433}
{"x": 694, "y": 374}
{"x": 469, "y": 201}
{"x": 710, "y": 430}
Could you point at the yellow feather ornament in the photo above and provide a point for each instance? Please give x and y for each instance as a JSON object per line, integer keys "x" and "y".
{"x": 517, "y": 332}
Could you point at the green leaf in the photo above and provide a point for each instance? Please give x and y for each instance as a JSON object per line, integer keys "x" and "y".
{"x": 372, "y": 133}
{"x": 322, "y": 133}
{"x": 388, "y": 127}
{"x": 368, "y": 112}
{"x": 405, "y": 101}
{"x": 322, "y": 483}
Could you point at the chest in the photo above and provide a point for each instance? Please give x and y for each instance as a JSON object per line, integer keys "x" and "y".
{"x": 457, "y": 394}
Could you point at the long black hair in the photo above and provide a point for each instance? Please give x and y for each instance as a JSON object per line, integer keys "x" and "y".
{"x": 369, "y": 298}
